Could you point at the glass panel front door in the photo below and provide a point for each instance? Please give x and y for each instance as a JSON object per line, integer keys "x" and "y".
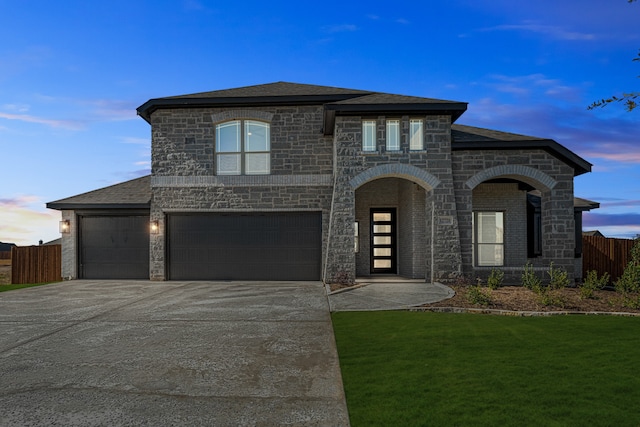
{"x": 383, "y": 241}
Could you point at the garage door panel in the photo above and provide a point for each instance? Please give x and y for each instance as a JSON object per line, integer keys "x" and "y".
{"x": 114, "y": 247}
{"x": 267, "y": 246}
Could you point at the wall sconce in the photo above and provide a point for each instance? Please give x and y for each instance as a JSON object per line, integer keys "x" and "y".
{"x": 155, "y": 227}
{"x": 64, "y": 226}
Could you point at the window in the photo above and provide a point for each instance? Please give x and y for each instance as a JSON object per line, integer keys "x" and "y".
{"x": 415, "y": 135}
{"x": 369, "y": 135}
{"x": 393, "y": 135}
{"x": 488, "y": 238}
{"x": 243, "y": 147}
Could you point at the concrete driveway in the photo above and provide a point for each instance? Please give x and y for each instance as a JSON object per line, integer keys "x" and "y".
{"x": 169, "y": 353}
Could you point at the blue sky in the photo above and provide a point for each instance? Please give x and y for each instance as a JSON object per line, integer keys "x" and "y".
{"x": 73, "y": 72}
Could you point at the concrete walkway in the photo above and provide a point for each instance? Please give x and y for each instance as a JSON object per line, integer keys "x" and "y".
{"x": 387, "y": 294}
{"x": 112, "y": 353}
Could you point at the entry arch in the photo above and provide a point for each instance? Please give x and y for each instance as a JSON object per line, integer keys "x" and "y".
{"x": 526, "y": 174}
{"x": 394, "y": 170}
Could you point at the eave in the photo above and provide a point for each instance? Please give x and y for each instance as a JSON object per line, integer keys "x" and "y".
{"x": 579, "y": 165}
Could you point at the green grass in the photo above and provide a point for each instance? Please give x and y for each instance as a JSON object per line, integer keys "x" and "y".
{"x": 435, "y": 369}
{"x": 4, "y": 288}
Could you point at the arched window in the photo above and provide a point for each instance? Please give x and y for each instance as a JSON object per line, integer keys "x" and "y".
{"x": 243, "y": 147}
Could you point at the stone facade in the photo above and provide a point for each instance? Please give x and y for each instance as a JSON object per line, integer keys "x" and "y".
{"x": 317, "y": 164}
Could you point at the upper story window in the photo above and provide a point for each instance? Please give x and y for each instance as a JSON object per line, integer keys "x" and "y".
{"x": 393, "y": 135}
{"x": 243, "y": 147}
{"x": 369, "y": 135}
{"x": 416, "y": 135}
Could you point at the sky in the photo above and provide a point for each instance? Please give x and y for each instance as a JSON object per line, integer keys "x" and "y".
{"x": 72, "y": 74}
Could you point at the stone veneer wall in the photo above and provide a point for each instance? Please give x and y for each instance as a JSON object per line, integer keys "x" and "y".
{"x": 183, "y": 165}
{"x": 69, "y": 247}
{"x": 538, "y": 168}
{"x": 434, "y": 162}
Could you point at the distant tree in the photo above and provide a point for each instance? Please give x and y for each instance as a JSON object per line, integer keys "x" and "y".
{"x": 628, "y": 99}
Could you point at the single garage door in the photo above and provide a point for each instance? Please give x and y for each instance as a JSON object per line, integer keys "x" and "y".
{"x": 114, "y": 247}
{"x": 265, "y": 246}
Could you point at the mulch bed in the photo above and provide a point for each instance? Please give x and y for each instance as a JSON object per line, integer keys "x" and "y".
{"x": 517, "y": 298}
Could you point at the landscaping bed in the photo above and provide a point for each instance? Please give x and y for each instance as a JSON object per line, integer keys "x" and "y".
{"x": 518, "y": 298}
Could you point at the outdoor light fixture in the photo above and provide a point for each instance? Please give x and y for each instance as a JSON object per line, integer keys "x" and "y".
{"x": 65, "y": 226}
{"x": 155, "y": 227}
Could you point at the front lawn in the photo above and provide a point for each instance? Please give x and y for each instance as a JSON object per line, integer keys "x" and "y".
{"x": 436, "y": 369}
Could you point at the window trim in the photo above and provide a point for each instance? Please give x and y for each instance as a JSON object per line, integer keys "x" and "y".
{"x": 419, "y": 134}
{"x": 369, "y": 130}
{"x": 391, "y": 123}
{"x": 244, "y": 152}
{"x": 476, "y": 244}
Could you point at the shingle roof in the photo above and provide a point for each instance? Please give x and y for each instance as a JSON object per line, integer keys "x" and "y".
{"x": 350, "y": 101}
{"x": 465, "y": 133}
{"x": 133, "y": 194}
{"x": 473, "y": 138}
{"x": 273, "y": 89}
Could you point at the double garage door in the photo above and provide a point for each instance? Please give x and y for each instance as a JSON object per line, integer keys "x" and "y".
{"x": 256, "y": 246}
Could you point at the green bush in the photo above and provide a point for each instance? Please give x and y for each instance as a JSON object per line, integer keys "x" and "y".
{"x": 629, "y": 282}
{"x": 478, "y": 296}
{"x": 495, "y": 278}
{"x": 593, "y": 283}
{"x": 529, "y": 278}
{"x": 558, "y": 277}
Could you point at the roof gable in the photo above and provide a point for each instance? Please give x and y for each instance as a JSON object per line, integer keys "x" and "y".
{"x": 473, "y": 138}
{"x": 133, "y": 194}
{"x": 335, "y": 99}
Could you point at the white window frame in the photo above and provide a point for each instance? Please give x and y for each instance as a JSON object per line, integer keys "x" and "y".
{"x": 485, "y": 243}
{"x": 369, "y": 135}
{"x": 243, "y": 151}
{"x": 416, "y": 134}
{"x": 393, "y": 135}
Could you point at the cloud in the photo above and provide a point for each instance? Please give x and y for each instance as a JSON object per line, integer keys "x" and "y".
{"x": 340, "y": 28}
{"x": 621, "y": 219}
{"x": 532, "y": 84}
{"x": 135, "y": 140}
{"x": 402, "y": 21}
{"x": 551, "y": 31}
{"x": 24, "y": 220}
{"x": 55, "y": 123}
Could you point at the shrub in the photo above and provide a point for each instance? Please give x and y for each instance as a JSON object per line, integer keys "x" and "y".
{"x": 629, "y": 282}
{"x": 529, "y": 278}
{"x": 558, "y": 277}
{"x": 478, "y": 296}
{"x": 495, "y": 278}
{"x": 593, "y": 283}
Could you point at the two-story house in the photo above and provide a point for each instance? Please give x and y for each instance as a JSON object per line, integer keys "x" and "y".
{"x": 287, "y": 181}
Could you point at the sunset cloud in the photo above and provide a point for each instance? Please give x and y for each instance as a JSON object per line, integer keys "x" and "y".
{"x": 24, "y": 220}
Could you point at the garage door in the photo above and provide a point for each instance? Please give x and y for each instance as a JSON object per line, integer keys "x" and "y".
{"x": 114, "y": 247}
{"x": 267, "y": 246}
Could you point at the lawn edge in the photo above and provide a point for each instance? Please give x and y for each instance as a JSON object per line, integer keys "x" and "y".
{"x": 522, "y": 313}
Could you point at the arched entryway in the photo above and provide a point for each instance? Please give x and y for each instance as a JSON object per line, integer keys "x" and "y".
{"x": 391, "y": 231}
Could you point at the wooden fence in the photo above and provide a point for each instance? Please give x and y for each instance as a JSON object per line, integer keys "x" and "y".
{"x": 5, "y": 255}
{"x": 605, "y": 255}
{"x": 36, "y": 264}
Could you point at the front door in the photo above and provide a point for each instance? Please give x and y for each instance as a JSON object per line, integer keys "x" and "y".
{"x": 383, "y": 241}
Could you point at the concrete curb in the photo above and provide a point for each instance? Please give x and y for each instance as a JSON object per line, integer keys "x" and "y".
{"x": 521, "y": 313}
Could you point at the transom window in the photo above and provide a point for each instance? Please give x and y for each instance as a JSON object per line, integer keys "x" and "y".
{"x": 369, "y": 135}
{"x": 393, "y": 135}
{"x": 488, "y": 238}
{"x": 415, "y": 135}
{"x": 243, "y": 147}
